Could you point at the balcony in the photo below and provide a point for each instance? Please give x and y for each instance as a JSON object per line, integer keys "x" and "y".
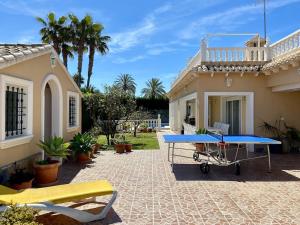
{"x": 230, "y": 55}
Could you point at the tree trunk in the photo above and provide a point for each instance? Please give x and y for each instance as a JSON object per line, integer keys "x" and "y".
{"x": 79, "y": 65}
{"x": 56, "y": 47}
{"x": 107, "y": 138}
{"x": 65, "y": 56}
{"x": 91, "y": 63}
{"x": 134, "y": 131}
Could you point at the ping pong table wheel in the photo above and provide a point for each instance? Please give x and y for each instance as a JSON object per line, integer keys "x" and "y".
{"x": 237, "y": 169}
{"x": 196, "y": 156}
{"x": 204, "y": 167}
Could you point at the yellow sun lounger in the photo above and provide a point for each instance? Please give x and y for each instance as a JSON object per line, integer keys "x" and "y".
{"x": 47, "y": 198}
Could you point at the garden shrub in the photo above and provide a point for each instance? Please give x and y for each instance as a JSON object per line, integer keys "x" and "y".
{"x": 19, "y": 216}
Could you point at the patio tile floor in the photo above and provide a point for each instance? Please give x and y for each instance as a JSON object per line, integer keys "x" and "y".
{"x": 149, "y": 193}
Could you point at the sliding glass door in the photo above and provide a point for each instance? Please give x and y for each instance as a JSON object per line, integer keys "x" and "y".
{"x": 233, "y": 116}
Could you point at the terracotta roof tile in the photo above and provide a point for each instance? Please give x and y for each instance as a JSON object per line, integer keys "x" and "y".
{"x": 18, "y": 52}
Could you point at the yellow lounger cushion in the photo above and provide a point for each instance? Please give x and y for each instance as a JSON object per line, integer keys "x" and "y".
{"x": 56, "y": 194}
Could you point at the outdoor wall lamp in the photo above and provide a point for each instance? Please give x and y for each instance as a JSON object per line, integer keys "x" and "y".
{"x": 52, "y": 60}
{"x": 228, "y": 81}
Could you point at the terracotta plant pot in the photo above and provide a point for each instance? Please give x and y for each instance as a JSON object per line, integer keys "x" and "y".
{"x": 96, "y": 147}
{"x": 120, "y": 148}
{"x": 200, "y": 147}
{"x": 23, "y": 185}
{"x": 84, "y": 157}
{"x": 128, "y": 147}
{"x": 46, "y": 174}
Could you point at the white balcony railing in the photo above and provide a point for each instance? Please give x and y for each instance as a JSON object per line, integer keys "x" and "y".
{"x": 286, "y": 44}
{"x": 243, "y": 54}
{"x": 236, "y": 54}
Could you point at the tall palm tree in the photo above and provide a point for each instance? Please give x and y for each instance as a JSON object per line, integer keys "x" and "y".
{"x": 76, "y": 79}
{"x": 57, "y": 32}
{"x": 79, "y": 31}
{"x": 96, "y": 42}
{"x": 66, "y": 47}
{"x": 126, "y": 83}
{"x": 50, "y": 32}
{"x": 154, "y": 89}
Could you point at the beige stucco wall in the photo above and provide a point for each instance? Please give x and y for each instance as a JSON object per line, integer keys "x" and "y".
{"x": 284, "y": 77}
{"x": 36, "y": 70}
{"x": 268, "y": 106}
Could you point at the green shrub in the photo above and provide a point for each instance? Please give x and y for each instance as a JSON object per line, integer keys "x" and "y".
{"x": 54, "y": 147}
{"x": 82, "y": 143}
{"x": 15, "y": 215}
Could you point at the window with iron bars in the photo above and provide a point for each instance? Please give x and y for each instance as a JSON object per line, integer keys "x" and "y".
{"x": 15, "y": 111}
{"x": 72, "y": 111}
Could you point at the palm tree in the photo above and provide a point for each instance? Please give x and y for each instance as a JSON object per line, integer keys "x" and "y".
{"x": 76, "y": 79}
{"x": 79, "y": 31}
{"x": 50, "y": 32}
{"x": 126, "y": 83}
{"x": 66, "y": 48}
{"x": 57, "y": 32}
{"x": 96, "y": 42}
{"x": 154, "y": 89}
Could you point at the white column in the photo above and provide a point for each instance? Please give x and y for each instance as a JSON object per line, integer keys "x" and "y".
{"x": 158, "y": 122}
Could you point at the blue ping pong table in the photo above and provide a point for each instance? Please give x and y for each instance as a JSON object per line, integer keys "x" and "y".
{"x": 216, "y": 147}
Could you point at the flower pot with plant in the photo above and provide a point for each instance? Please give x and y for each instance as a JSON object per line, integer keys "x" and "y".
{"x": 200, "y": 146}
{"x": 275, "y": 132}
{"x": 127, "y": 146}
{"x": 119, "y": 143}
{"x": 143, "y": 128}
{"x": 20, "y": 179}
{"x": 81, "y": 146}
{"x": 46, "y": 171}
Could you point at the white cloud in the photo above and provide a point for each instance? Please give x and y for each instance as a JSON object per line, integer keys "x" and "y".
{"x": 121, "y": 60}
{"x": 21, "y": 7}
{"x": 127, "y": 39}
{"x": 228, "y": 19}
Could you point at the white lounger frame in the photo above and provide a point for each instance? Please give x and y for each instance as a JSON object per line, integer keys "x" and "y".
{"x": 79, "y": 215}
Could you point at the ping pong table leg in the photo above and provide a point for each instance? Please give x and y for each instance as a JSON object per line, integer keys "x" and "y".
{"x": 173, "y": 148}
{"x": 269, "y": 159}
{"x": 168, "y": 152}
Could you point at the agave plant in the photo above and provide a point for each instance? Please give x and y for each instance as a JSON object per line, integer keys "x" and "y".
{"x": 201, "y": 131}
{"x": 82, "y": 143}
{"x": 55, "y": 147}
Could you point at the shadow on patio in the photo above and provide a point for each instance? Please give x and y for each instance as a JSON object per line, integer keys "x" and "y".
{"x": 284, "y": 168}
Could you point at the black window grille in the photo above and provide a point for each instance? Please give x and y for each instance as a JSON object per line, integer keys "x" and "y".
{"x": 72, "y": 111}
{"x": 14, "y": 111}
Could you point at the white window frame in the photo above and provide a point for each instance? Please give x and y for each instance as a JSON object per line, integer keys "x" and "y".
{"x": 77, "y": 99}
{"x": 28, "y": 135}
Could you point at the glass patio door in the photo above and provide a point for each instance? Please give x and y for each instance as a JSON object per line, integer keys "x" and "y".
{"x": 233, "y": 116}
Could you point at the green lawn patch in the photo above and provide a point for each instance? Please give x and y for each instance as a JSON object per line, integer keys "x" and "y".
{"x": 142, "y": 141}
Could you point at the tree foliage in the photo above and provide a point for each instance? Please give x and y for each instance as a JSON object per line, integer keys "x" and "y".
{"x": 154, "y": 89}
{"x": 107, "y": 108}
{"x": 126, "y": 83}
{"x": 70, "y": 34}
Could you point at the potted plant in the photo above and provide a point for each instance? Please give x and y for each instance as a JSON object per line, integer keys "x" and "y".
{"x": 143, "y": 127}
{"x": 200, "y": 146}
{"x": 46, "y": 171}
{"x": 81, "y": 146}
{"x": 20, "y": 179}
{"x": 127, "y": 146}
{"x": 119, "y": 143}
{"x": 276, "y": 132}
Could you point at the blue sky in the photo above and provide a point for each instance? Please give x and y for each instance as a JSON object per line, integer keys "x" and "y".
{"x": 151, "y": 38}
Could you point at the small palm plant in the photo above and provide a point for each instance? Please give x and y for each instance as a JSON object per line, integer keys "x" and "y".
{"x": 54, "y": 147}
{"x": 46, "y": 171}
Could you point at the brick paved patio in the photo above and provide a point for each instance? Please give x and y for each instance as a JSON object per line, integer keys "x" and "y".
{"x": 149, "y": 193}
